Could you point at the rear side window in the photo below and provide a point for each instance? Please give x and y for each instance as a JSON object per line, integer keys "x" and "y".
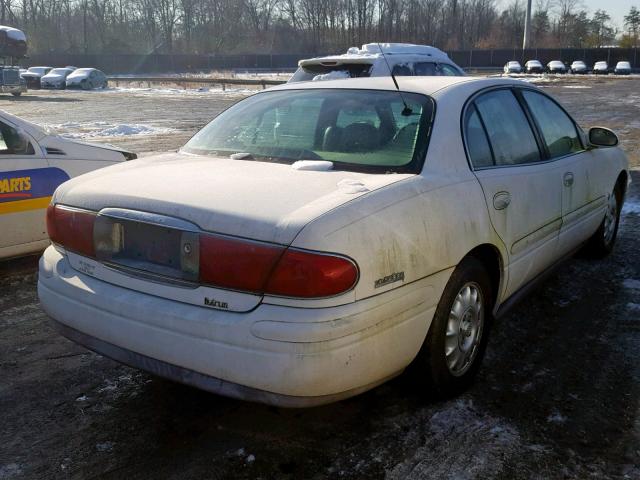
{"x": 510, "y": 134}
{"x": 558, "y": 130}
{"x": 477, "y": 143}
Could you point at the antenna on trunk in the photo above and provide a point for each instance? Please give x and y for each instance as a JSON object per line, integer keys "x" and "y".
{"x": 406, "y": 111}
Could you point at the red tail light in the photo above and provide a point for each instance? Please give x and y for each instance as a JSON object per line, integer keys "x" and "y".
{"x": 311, "y": 275}
{"x": 71, "y": 228}
{"x": 224, "y": 262}
{"x": 273, "y": 270}
{"x": 236, "y": 264}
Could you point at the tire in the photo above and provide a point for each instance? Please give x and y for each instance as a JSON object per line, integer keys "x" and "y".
{"x": 602, "y": 242}
{"x": 444, "y": 377}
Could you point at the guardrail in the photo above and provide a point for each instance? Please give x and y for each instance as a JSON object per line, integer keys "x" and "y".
{"x": 263, "y": 82}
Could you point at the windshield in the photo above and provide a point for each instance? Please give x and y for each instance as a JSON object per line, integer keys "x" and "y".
{"x": 38, "y": 70}
{"x": 367, "y": 130}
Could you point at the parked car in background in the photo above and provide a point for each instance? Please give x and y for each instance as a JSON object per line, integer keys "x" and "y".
{"x": 315, "y": 239}
{"x": 512, "y": 66}
{"x": 402, "y": 58}
{"x": 534, "y": 66}
{"x": 11, "y": 81}
{"x": 56, "y": 78}
{"x": 71, "y": 67}
{"x": 86, "y": 79}
{"x": 578, "y": 67}
{"x": 601, "y": 68}
{"x": 556, "y": 66}
{"x": 622, "y": 68}
{"x": 33, "y": 163}
{"x": 33, "y": 76}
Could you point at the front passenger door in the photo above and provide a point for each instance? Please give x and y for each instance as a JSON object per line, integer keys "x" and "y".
{"x": 583, "y": 202}
{"x": 521, "y": 188}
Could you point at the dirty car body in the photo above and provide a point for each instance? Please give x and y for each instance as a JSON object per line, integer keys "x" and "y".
{"x": 315, "y": 239}
{"x": 33, "y": 162}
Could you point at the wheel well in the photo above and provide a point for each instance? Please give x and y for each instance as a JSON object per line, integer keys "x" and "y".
{"x": 491, "y": 259}
{"x": 621, "y": 182}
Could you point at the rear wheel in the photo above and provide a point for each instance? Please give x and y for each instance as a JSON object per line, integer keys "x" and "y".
{"x": 602, "y": 242}
{"x": 454, "y": 347}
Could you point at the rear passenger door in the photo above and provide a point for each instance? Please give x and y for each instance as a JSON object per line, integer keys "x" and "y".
{"x": 582, "y": 201}
{"x": 521, "y": 187}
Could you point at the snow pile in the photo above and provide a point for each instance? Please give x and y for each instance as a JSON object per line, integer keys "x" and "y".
{"x": 81, "y": 130}
{"x": 333, "y": 75}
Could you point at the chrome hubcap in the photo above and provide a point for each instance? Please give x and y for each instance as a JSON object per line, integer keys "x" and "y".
{"x": 464, "y": 329}
{"x": 610, "y": 217}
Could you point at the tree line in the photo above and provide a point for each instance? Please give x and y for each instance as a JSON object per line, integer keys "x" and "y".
{"x": 304, "y": 26}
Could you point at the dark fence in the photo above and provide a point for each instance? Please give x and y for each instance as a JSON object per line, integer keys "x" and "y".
{"x": 120, "y": 64}
{"x": 497, "y": 58}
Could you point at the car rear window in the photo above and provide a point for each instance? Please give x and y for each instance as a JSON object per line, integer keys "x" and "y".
{"x": 326, "y": 71}
{"x": 356, "y": 129}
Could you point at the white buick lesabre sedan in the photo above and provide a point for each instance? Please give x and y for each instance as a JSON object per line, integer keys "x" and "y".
{"x": 315, "y": 239}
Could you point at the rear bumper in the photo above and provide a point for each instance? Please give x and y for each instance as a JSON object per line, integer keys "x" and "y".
{"x": 278, "y": 355}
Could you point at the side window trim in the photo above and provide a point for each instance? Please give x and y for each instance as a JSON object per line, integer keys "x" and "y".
{"x": 533, "y": 125}
{"x": 484, "y": 130}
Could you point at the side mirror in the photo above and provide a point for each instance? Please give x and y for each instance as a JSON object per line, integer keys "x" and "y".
{"x": 602, "y": 137}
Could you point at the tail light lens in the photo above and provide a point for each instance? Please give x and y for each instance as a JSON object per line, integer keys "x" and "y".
{"x": 224, "y": 262}
{"x": 71, "y": 228}
{"x": 311, "y": 275}
{"x": 236, "y": 264}
{"x": 273, "y": 270}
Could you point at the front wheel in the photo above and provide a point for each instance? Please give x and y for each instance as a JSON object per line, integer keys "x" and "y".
{"x": 454, "y": 347}
{"x": 601, "y": 243}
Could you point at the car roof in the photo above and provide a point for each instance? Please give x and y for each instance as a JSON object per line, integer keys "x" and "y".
{"x": 424, "y": 85}
{"x": 370, "y": 52}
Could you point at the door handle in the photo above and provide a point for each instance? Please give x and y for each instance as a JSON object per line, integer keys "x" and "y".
{"x": 568, "y": 179}
{"x": 501, "y": 200}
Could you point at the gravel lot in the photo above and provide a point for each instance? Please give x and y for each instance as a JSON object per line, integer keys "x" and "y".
{"x": 558, "y": 396}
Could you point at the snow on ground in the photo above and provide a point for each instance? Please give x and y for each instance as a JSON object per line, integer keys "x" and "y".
{"x": 447, "y": 452}
{"x": 631, "y": 206}
{"x": 159, "y": 91}
{"x": 631, "y": 284}
{"x": 100, "y": 129}
{"x": 9, "y": 470}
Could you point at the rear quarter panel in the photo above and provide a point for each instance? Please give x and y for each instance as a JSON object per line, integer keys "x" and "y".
{"x": 404, "y": 232}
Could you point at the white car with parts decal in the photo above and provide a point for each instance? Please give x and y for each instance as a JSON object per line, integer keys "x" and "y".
{"x": 33, "y": 163}
{"x": 315, "y": 239}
